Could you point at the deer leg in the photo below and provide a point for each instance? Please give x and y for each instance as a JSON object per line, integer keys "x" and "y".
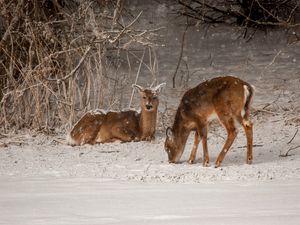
{"x": 124, "y": 134}
{"x": 195, "y": 147}
{"x": 248, "y": 128}
{"x": 204, "y": 146}
{"x": 231, "y": 135}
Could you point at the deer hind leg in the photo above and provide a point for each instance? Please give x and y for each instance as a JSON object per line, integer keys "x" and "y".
{"x": 228, "y": 123}
{"x": 248, "y": 128}
{"x": 195, "y": 147}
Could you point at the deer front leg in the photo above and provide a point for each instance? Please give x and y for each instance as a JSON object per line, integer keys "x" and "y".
{"x": 204, "y": 146}
{"x": 195, "y": 147}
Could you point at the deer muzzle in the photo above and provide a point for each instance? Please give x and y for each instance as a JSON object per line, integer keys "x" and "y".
{"x": 148, "y": 107}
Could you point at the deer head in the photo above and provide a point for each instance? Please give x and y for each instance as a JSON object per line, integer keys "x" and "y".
{"x": 149, "y": 96}
{"x": 173, "y": 146}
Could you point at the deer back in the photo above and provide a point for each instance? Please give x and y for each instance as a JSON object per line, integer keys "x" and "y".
{"x": 86, "y": 129}
{"x": 224, "y": 95}
{"x": 123, "y": 126}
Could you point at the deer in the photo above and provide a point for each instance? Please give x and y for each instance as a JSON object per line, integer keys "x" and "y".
{"x": 102, "y": 127}
{"x": 224, "y": 98}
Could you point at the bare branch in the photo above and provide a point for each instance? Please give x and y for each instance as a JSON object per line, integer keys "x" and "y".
{"x": 180, "y": 55}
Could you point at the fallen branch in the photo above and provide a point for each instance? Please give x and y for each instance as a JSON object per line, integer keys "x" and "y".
{"x": 293, "y": 137}
{"x": 287, "y": 153}
{"x": 3, "y": 145}
{"x": 254, "y": 146}
{"x": 278, "y": 53}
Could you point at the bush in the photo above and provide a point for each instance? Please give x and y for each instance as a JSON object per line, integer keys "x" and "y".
{"x": 61, "y": 58}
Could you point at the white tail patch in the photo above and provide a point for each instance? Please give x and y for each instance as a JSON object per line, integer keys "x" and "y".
{"x": 98, "y": 139}
{"x": 243, "y": 113}
{"x": 246, "y": 94}
{"x": 70, "y": 140}
{"x": 212, "y": 116}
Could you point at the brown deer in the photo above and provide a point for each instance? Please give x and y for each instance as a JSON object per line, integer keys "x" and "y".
{"x": 227, "y": 98}
{"x": 100, "y": 127}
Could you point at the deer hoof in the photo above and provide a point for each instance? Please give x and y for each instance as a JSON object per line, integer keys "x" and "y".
{"x": 218, "y": 164}
{"x": 191, "y": 161}
{"x": 249, "y": 161}
{"x": 206, "y": 164}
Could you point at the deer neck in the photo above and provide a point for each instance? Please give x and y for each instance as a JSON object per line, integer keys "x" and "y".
{"x": 147, "y": 124}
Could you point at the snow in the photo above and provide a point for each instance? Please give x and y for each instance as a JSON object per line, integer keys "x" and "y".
{"x": 99, "y": 201}
{"x": 39, "y": 155}
{"x": 45, "y": 181}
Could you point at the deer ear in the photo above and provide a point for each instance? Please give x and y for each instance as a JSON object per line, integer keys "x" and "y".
{"x": 170, "y": 133}
{"x": 138, "y": 87}
{"x": 158, "y": 88}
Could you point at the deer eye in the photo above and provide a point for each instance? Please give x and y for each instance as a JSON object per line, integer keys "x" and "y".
{"x": 144, "y": 97}
{"x": 154, "y": 97}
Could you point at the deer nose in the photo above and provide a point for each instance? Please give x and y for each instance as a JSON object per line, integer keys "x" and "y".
{"x": 148, "y": 107}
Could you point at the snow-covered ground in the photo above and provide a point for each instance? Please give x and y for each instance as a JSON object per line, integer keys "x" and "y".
{"x": 44, "y": 181}
{"x": 77, "y": 201}
{"x": 28, "y": 155}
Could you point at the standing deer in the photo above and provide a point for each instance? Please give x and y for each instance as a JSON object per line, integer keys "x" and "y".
{"x": 227, "y": 98}
{"x": 99, "y": 127}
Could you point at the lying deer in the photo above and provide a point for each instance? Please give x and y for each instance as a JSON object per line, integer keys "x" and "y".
{"x": 227, "y": 98}
{"x": 99, "y": 127}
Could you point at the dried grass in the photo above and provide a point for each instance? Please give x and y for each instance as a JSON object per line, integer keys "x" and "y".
{"x": 61, "y": 58}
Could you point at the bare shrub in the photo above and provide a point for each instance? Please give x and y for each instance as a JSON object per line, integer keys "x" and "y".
{"x": 249, "y": 13}
{"x": 60, "y": 58}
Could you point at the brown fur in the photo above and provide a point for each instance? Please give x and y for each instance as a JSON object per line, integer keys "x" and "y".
{"x": 86, "y": 129}
{"x": 227, "y": 97}
{"x": 125, "y": 126}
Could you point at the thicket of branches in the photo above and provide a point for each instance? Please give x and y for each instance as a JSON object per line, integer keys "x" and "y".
{"x": 248, "y": 13}
{"x": 60, "y": 58}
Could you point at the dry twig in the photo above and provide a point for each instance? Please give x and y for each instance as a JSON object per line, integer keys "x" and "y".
{"x": 180, "y": 55}
{"x": 290, "y": 141}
